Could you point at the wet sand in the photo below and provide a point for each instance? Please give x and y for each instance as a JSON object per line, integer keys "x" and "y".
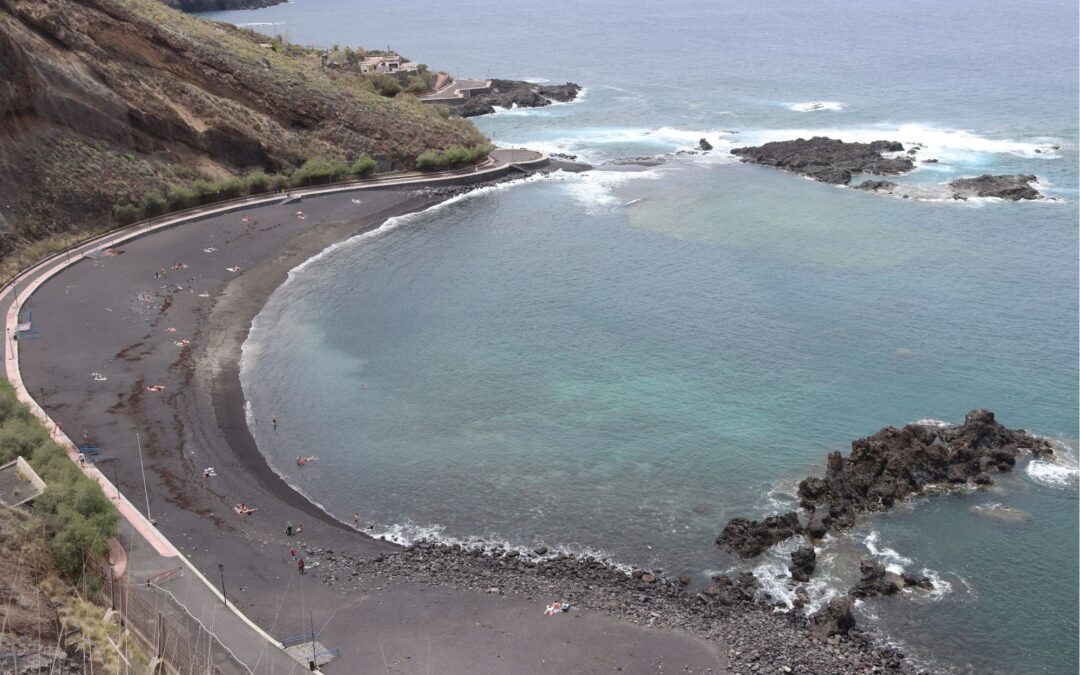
{"x": 113, "y": 317}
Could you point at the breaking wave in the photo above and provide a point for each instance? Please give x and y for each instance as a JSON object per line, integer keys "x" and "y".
{"x": 814, "y": 106}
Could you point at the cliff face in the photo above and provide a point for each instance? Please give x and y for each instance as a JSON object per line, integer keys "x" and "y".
{"x": 102, "y": 100}
{"x": 219, "y": 5}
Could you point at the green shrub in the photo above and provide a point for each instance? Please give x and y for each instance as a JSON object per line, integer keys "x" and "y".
{"x": 278, "y": 182}
{"x": 319, "y": 170}
{"x": 126, "y": 213}
{"x": 152, "y": 204}
{"x": 256, "y": 182}
{"x": 454, "y": 156}
{"x": 180, "y": 197}
{"x": 363, "y": 166}
{"x": 230, "y": 188}
{"x": 417, "y": 84}
{"x": 205, "y": 191}
{"x": 386, "y": 85}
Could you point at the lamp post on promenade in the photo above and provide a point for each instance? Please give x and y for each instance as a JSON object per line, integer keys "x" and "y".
{"x": 221, "y": 571}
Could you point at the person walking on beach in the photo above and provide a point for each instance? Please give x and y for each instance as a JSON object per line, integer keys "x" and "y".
{"x": 300, "y": 566}
{"x": 288, "y": 529}
{"x": 273, "y": 422}
{"x": 356, "y": 520}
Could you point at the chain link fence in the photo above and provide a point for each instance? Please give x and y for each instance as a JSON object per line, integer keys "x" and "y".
{"x": 170, "y": 633}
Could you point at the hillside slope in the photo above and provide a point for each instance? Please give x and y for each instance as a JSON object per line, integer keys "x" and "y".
{"x": 104, "y": 100}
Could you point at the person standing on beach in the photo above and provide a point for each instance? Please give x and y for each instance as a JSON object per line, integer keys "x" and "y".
{"x": 273, "y": 422}
{"x": 300, "y": 566}
{"x": 356, "y": 520}
{"x": 288, "y": 529}
{"x": 292, "y": 551}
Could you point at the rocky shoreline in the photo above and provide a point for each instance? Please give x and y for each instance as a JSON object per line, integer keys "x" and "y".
{"x": 519, "y": 94}
{"x": 759, "y": 639}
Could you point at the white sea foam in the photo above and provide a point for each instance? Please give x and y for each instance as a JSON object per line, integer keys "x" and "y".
{"x": 595, "y": 144}
{"x": 775, "y": 579}
{"x": 1060, "y": 470}
{"x": 406, "y": 534}
{"x": 931, "y": 422}
{"x": 261, "y": 24}
{"x": 594, "y": 190}
{"x": 1052, "y": 473}
{"x": 893, "y": 560}
{"x": 815, "y": 106}
{"x": 941, "y": 587}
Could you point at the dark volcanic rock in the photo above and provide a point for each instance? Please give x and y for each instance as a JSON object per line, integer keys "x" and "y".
{"x": 876, "y": 186}
{"x": 730, "y": 592}
{"x": 1013, "y": 187}
{"x": 803, "y": 561}
{"x": 510, "y": 93}
{"x": 828, "y": 160}
{"x": 750, "y": 538}
{"x": 876, "y": 580}
{"x": 833, "y": 619}
{"x": 704, "y": 145}
{"x": 887, "y": 467}
{"x": 895, "y": 463}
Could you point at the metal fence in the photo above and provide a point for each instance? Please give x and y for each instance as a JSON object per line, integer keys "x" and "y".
{"x": 171, "y": 635}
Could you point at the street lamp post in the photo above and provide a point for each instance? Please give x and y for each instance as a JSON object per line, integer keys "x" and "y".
{"x": 221, "y": 571}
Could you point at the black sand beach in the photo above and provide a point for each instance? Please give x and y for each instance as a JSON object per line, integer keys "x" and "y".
{"x": 388, "y": 610}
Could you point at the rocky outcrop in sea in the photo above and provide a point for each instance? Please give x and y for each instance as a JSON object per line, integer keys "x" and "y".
{"x": 1010, "y": 187}
{"x": 516, "y": 93}
{"x": 878, "y": 580}
{"x": 829, "y": 160}
{"x": 886, "y": 468}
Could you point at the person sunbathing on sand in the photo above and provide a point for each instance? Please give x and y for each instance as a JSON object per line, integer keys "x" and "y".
{"x": 156, "y": 388}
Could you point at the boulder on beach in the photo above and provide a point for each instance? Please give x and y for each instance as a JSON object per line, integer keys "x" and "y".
{"x": 829, "y": 160}
{"x": 803, "y": 562}
{"x": 878, "y": 580}
{"x": 751, "y": 538}
{"x": 729, "y": 592}
{"x": 832, "y": 619}
{"x": 704, "y": 144}
{"x": 1009, "y": 187}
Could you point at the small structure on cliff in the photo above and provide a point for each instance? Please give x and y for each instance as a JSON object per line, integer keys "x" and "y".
{"x": 19, "y": 483}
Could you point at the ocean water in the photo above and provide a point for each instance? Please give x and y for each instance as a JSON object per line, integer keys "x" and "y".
{"x": 620, "y": 361}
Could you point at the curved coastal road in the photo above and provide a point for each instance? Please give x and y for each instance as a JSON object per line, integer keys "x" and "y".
{"x": 112, "y": 316}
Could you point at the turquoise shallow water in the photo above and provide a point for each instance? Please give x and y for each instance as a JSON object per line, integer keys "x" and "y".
{"x": 621, "y": 362}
